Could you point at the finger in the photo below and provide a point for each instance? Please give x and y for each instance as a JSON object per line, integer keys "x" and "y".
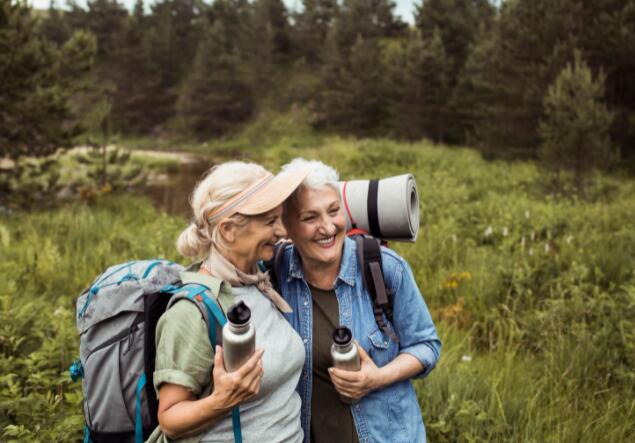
{"x": 255, "y": 373}
{"x": 352, "y": 393}
{"x": 254, "y": 386}
{"x": 343, "y": 383}
{"x": 219, "y": 362}
{"x": 250, "y": 364}
{"x": 345, "y": 386}
{"x": 348, "y": 376}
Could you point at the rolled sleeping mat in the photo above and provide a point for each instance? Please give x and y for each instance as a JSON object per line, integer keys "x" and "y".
{"x": 387, "y": 208}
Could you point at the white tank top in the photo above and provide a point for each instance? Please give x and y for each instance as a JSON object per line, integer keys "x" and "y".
{"x": 274, "y": 414}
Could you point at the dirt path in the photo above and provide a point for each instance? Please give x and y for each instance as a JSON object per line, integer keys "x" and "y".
{"x": 181, "y": 157}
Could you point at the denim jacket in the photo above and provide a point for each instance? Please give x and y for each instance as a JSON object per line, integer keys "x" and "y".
{"x": 391, "y": 414}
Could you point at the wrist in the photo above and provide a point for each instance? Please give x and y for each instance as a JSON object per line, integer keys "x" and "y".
{"x": 217, "y": 403}
{"x": 381, "y": 378}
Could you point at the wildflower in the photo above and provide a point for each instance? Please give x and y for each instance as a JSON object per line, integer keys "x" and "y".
{"x": 465, "y": 276}
{"x": 505, "y": 231}
{"x": 527, "y": 215}
{"x": 451, "y": 283}
{"x": 547, "y": 248}
{"x": 466, "y": 358}
{"x": 569, "y": 239}
{"x": 59, "y": 311}
{"x": 489, "y": 231}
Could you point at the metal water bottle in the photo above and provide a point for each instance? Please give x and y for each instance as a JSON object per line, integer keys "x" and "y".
{"x": 239, "y": 336}
{"x": 345, "y": 354}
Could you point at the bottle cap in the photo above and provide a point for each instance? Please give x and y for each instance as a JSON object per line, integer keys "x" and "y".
{"x": 239, "y": 313}
{"x": 342, "y": 335}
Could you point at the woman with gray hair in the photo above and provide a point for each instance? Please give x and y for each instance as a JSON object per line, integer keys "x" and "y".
{"x": 237, "y": 221}
{"x": 322, "y": 281}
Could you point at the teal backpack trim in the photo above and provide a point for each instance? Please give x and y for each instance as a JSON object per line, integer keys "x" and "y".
{"x": 214, "y": 314}
{"x": 138, "y": 421}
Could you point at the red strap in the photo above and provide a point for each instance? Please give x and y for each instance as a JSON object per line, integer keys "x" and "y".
{"x": 356, "y": 231}
{"x": 348, "y": 211}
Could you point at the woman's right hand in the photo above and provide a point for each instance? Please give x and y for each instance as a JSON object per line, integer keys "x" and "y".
{"x": 234, "y": 388}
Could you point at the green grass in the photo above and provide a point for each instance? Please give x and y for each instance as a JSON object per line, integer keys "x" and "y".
{"x": 533, "y": 293}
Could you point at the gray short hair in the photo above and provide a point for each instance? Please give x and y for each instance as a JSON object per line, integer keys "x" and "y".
{"x": 321, "y": 175}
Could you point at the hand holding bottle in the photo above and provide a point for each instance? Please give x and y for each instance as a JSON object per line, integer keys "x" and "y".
{"x": 234, "y": 388}
{"x": 357, "y": 384}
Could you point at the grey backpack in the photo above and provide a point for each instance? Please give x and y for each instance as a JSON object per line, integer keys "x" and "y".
{"x": 116, "y": 320}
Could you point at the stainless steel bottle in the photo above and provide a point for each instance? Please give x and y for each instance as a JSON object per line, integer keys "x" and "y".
{"x": 239, "y": 337}
{"x": 345, "y": 354}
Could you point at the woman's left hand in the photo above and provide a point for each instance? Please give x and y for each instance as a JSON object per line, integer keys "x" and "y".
{"x": 356, "y": 384}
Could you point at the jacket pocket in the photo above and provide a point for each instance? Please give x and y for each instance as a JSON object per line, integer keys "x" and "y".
{"x": 382, "y": 349}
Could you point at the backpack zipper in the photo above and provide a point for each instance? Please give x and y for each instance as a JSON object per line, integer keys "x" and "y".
{"x": 117, "y": 338}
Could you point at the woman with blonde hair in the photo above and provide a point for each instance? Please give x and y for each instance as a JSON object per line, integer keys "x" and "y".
{"x": 237, "y": 221}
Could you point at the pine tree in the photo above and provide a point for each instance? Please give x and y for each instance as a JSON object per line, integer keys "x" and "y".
{"x": 216, "y": 96}
{"x": 312, "y": 25}
{"x": 353, "y": 89}
{"x": 435, "y": 72}
{"x": 106, "y": 20}
{"x": 368, "y": 19}
{"x": 459, "y": 22}
{"x": 54, "y": 27}
{"x": 576, "y": 124}
{"x": 531, "y": 43}
{"x": 37, "y": 82}
{"x": 134, "y": 106}
{"x": 269, "y": 42}
{"x": 405, "y": 89}
{"x": 419, "y": 81}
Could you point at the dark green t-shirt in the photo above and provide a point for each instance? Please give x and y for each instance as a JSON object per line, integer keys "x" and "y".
{"x": 329, "y": 416}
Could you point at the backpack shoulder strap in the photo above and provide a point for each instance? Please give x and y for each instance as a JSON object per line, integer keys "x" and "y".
{"x": 214, "y": 318}
{"x": 273, "y": 265}
{"x": 209, "y": 308}
{"x": 369, "y": 256}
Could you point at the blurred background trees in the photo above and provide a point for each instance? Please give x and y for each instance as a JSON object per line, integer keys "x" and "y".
{"x": 466, "y": 72}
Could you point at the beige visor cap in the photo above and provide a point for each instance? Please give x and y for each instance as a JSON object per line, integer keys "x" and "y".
{"x": 263, "y": 196}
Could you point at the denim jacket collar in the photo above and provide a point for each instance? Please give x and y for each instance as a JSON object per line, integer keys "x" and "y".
{"x": 348, "y": 267}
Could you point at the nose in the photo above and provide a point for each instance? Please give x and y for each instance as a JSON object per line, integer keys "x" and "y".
{"x": 327, "y": 226}
{"x": 278, "y": 228}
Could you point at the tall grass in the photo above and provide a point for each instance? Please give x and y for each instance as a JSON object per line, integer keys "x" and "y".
{"x": 533, "y": 293}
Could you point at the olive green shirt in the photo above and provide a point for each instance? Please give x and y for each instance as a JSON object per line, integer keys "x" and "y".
{"x": 329, "y": 416}
{"x": 183, "y": 354}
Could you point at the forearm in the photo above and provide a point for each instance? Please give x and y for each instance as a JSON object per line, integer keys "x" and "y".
{"x": 403, "y": 367}
{"x": 189, "y": 417}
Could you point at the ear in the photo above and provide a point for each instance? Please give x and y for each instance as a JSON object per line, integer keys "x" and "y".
{"x": 227, "y": 230}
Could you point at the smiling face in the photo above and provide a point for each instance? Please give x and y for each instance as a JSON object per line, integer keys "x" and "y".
{"x": 317, "y": 225}
{"x": 255, "y": 240}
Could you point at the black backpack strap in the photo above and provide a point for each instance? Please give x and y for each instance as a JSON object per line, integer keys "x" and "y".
{"x": 369, "y": 255}
{"x": 273, "y": 265}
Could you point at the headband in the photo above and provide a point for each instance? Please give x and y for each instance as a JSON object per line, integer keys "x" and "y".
{"x": 230, "y": 207}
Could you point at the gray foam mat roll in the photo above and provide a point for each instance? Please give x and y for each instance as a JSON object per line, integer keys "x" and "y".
{"x": 397, "y": 206}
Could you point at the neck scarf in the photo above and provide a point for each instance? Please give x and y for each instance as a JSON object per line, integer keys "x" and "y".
{"x": 219, "y": 267}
